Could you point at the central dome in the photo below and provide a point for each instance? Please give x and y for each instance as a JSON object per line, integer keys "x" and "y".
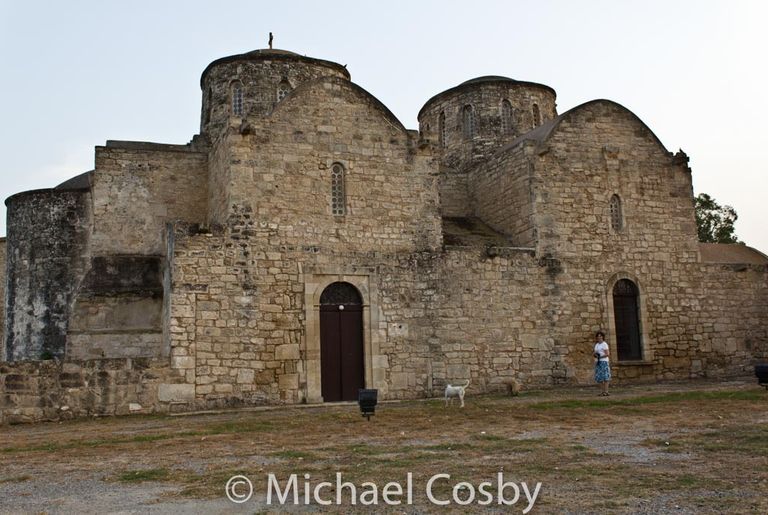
{"x": 252, "y": 83}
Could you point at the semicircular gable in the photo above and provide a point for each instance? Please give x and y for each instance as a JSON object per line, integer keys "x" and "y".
{"x": 364, "y": 97}
{"x": 553, "y": 127}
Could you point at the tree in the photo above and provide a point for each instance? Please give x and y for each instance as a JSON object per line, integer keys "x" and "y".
{"x": 713, "y": 221}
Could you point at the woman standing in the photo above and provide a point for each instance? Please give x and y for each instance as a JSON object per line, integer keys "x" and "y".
{"x": 602, "y": 367}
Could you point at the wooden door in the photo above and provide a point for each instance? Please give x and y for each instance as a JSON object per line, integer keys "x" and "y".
{"x": 341, "y": 343}
{"x": 625, "y": 309}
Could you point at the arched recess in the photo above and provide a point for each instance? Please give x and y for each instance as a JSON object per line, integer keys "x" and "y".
{"x": 374, "y": 364}
{"x": 620, "y": 288}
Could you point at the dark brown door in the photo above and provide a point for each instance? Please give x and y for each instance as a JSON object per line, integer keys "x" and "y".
{"x": 341, "y": 343}
{"x": 625, "y": 309}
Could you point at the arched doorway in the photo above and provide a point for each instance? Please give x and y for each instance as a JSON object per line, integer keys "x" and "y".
{"x": 627, "y": 317}
{"x": 341, "y": 342}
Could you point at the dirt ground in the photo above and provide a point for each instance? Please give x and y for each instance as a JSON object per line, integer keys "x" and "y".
{"x": 682, "y": 448}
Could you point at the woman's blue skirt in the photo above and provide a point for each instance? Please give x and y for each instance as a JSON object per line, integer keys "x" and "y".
{"x": 602, "y": 372}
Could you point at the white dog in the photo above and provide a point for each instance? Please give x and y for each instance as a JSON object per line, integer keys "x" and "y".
{"x": 455, "y": 391}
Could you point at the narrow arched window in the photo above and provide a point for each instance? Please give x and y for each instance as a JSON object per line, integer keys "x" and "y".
{"x": 506, "y": 117}
{"x": 536, "y": 115}
{"x": 338, "y": 194}
{"x": 468, "y": 121}
{"x": 617, "y": 219}
{"x": 626, "y": 311}
{"x": 237, "y": 99}
{"x": 441, "y": 128}
{"x": 283, "y": 89}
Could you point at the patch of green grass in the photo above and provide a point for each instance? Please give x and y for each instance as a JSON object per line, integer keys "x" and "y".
{"x": 446, "y": 447}
{"x": 15, "y": 479}
{"x": 490, "y": 438}
{"x": 143, "y": 475}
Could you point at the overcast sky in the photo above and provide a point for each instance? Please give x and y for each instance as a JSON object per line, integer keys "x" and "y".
{"x": 77, "y": 73}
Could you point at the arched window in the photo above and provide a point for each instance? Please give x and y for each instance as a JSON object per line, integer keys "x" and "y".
{"x": 468, "y": 121}
{"x": 617, "y": 220}
{"x": 237, "y": 99}
{"x": 338, "y": 194}
{"x": 283, "y": 89}
{"x": 506, "y": 117}
{"x": 441, "y": 129}
{"x": 536, "y": 115}
{"x": 627, "y": 314}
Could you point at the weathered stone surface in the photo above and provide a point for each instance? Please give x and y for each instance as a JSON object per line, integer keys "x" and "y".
{"x": 175, "y": 393}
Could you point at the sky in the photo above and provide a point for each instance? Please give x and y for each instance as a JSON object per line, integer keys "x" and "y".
{"x": 74, "y": 74}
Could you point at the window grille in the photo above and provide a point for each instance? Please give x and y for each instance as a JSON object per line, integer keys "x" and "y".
{"x": 338, "y": 194}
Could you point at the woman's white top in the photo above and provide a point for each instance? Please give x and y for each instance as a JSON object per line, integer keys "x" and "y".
{"x": 602, "y": 348}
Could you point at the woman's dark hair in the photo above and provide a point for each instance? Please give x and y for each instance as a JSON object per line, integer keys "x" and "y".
{"x": 600, "y": 333}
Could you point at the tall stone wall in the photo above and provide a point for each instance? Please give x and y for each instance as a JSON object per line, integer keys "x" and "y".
{"x": 280, "y": 173}
{"x": 598, "y": 150}
{"x": 3, "y": 279}
{"x": 490, "y": 323}
{"x": 139, "y": 187}
{"x": 501, "y": 193}
{"x": 47, "y": 254}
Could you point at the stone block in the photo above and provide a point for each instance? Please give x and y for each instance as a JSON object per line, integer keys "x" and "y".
{"x": 287, "y": 351}
{"x": 175, "y": 392}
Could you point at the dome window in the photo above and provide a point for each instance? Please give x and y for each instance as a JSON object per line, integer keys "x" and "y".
{"x": 468, "y": 121}
{"x": 237, "y": 99}
{"x": 506, "y": 117}
{"x": 536, "y": 115}
{"x": 283, "y": 89}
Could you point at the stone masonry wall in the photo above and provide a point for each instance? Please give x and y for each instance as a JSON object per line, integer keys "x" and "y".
{"x": 118, "y": 310}
{"x": 239, "y": 329}
{"x": 281, "y": 173}
{"x": 3, "y": 279}
{"x": 600, "y": 150}
{"x": 501, "y": 194}
{"x": 138, "y": 188}
{"x": 238, "y": 316}
{"x": 36, "y": 391}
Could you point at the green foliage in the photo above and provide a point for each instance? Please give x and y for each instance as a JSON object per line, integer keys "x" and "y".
{"x": 713, "y": 221}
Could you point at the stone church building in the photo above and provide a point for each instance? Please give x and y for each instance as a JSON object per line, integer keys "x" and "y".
{"x": 306, "y": 244}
